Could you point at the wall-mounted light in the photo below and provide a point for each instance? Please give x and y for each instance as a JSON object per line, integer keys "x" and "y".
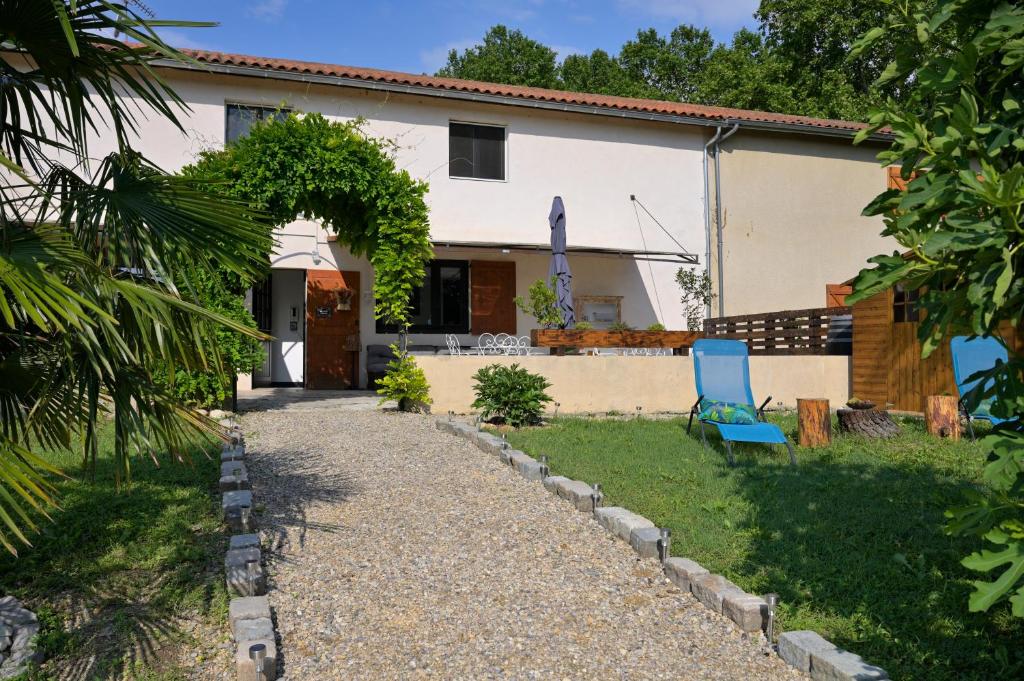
{"x": 505, "y": 251}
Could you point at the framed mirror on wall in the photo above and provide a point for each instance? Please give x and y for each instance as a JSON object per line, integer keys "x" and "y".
{"x": 601, "y": 311}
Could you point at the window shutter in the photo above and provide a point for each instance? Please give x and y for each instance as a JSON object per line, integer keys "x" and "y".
{"x": 897, "y": 182}
{"x": 835, "y": 294}
{"x": 492, "y": 293}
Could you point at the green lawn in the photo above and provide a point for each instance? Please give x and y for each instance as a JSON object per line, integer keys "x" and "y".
{"x": 117, "y": 572}
{"x": 851, "y": 539}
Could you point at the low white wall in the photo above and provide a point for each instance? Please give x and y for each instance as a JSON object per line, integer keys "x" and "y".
{"x": 658, "y": 384}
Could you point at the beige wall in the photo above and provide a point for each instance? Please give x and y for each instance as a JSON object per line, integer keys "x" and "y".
{"x": 792, "y": 218}
{"x": 658, "y": 384}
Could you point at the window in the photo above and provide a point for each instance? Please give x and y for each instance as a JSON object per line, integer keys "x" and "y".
{"x": 441, "y": 304}
{"x": 601, "y": 311}
{"x": 261, "y": 298}
{"x": 241, "y": 118}
{"x": 904, "y": 304}
{"x": 476, "y": 151}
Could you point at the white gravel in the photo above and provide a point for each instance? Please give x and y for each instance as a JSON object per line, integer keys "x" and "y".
{"x": 398, "y": 551}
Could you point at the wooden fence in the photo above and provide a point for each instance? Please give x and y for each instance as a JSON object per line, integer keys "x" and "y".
{"x": 790, "y": 332}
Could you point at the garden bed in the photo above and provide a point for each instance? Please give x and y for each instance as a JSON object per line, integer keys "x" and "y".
{"x": 121, "y": 579}
{"x": 851, "y": 539}
{"x": 597, "y": 338}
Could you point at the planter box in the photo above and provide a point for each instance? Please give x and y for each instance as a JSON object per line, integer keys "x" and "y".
{"x": 595, "y": 338}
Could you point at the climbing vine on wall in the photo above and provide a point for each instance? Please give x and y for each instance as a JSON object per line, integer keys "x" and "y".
{"x": 334, "y": 173}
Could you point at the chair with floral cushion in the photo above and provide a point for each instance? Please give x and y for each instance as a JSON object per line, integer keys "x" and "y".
{"x": 972, "y": 355}
{"x": 724, "y": 398}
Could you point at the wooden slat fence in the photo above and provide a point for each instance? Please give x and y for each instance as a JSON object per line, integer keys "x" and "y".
{"x": 790, "y": 332}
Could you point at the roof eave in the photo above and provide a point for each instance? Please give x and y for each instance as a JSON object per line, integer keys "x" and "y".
{"x": 507, "y": 100}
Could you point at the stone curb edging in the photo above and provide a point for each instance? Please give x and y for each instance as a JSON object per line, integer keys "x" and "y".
{"x": 249, "y": 610}
{"x": 19, "y": 648}
{"x": 804, "y": 650}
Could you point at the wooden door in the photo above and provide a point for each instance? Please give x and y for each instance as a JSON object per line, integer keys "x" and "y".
{"x": 332, "y": 329}
{"x": 492, "y": 296}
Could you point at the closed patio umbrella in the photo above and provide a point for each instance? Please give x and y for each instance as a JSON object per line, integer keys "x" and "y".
{"x": 559, "y": 267}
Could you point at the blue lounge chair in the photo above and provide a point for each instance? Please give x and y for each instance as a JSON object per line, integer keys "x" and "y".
{"x": 724, "y": 399}
{"x": 971, "y": 355}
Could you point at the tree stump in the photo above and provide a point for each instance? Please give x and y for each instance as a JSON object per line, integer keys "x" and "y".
{"x": 815, "y": 422}
{"x": 942, "y": 416}
{"x": 867, "y": 422}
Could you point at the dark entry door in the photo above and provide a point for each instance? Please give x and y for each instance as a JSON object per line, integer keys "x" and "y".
{"x": 332, "y": 329}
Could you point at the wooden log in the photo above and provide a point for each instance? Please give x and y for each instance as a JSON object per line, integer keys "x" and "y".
{"x": 867, "y": 422}
{"x": 942, "y": 416}
{"x": 815, "y": 422}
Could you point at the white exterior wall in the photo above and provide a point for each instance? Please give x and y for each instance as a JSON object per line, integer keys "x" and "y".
{"x": 593, "y": 162}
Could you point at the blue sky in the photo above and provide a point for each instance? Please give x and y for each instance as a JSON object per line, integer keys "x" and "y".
{"x": 405, "y": 35}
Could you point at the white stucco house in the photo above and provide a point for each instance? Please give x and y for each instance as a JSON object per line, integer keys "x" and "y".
{"x": 791, "y": 191}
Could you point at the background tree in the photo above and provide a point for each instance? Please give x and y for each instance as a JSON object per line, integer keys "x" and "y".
{"x": 98, "y": 257}
{"x": 602, "y": 74}
{"x": 959, "y": 142}
{"x": 671, "y": 67}
{"x": 505, "y": 56}
{"x": 798, "y": 62}
{"x": 746, "y": 75}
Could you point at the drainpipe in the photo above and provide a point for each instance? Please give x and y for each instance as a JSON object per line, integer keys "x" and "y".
{"x": 718, "y": 217}
{"x": 707, "y": 214}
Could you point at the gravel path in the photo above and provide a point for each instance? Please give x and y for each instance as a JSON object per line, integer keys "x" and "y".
{"x": 402, "y": 552}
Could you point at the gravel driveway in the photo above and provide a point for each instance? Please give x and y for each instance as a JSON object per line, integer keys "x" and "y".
{"x": 402, "y": 552}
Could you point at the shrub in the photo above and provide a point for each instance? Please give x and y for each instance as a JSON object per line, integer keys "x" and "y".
{"x": 619, "y": 326}
{"x": 224, "y": 293}
{"x": 511, "y": 394}
{"x": 542, "y": 304}
{"x": 656, "y": 326}
{"x": 404, "y": 382}
{"x": 584, "y": 326}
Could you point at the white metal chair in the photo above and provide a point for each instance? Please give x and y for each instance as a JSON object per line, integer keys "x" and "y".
{"x": 485, "y": 344}
{"x": 454, "y": 347}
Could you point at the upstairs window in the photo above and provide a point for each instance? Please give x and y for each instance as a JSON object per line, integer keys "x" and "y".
{"x": 476, "y": 151}
{"x": 241, "y": 118}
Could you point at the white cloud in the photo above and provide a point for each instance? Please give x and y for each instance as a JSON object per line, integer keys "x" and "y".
{"x": 176, "y": 38}
{"x": 697, "y": 12}
{"x": 268, "y": 10}
{"x": 436, "y": 57}
{"x": 563, "y": 51}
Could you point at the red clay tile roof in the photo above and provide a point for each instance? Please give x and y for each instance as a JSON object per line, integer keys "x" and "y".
{"x": 653, "y": 106}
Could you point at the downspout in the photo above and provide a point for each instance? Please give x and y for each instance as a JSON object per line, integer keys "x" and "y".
{"x": 718, "y": 217}
{"x": 707, "y": 214}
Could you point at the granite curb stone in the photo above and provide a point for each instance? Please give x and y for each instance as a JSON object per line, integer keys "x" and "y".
{"x": 248, "y": 608}
{"x": 254, "y": 629}
{"x": 644, "y": 541}
{"x": 244, "y": 541}
{"x": 682, "y": 571}
{"x": 242, "y": 556}
{"x": 749, "y": 612}
{"x": 809, "y": 652}
{"x": 576, "y": 492}
{"x": 711, "y": 590}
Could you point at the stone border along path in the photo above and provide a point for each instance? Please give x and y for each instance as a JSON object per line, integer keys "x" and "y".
{"x": 395, "y": 551}
{"x": 252, "y": 626}
{"x": 804, "y": 650}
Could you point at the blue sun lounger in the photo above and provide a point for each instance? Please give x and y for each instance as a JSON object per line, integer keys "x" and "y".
{"x": 724, "y": 398}
{"x": 972, "y": 354}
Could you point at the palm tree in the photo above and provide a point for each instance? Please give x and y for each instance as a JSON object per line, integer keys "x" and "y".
{"x": 97, "y": 255}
